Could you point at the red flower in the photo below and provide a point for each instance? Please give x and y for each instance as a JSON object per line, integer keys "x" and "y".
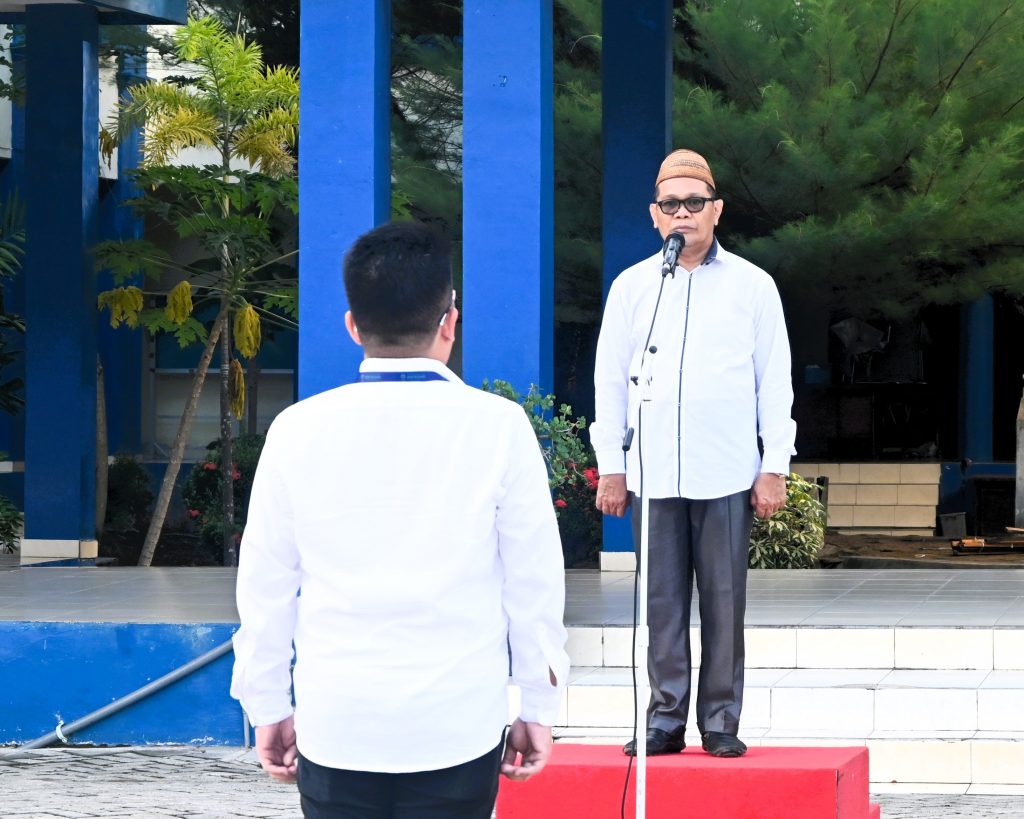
{"x": 592, "y": 476}
{"x": 235, "y": 475}
{"x": 193, "y": 513}
{"x": 209, "y": 467}
{"x": 561, "y": 504}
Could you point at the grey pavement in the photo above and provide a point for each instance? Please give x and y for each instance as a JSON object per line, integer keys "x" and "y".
{"x": 173, "y": 781}
{"x": 976, "y": 598}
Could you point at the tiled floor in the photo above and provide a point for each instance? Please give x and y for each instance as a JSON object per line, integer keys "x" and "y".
{"x": 882, "y": 598}
{"x": 911, "y": 597}
{"x": 119, "y": 595}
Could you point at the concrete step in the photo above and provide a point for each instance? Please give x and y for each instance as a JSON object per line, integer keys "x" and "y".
{"x": 923, "y": 726}
{"x": 807, "y": 647}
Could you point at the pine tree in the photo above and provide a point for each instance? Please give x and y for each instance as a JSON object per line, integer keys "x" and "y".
{"x": 869, "y": 151}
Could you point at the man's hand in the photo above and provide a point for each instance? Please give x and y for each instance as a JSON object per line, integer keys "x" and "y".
{"x": 530, "y": 745}
{"x": 611, "y": 495}
{"x": 275, "y": 746}
{"x": 768, "y": 495}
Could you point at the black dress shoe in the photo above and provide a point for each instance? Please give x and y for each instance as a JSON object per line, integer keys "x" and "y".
{"x": 725, "y": 745}
{"x": 660, "y": 742}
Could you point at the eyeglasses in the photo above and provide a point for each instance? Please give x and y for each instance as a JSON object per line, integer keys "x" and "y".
{"x": 694, "y": 204}
{"x": 444, "y": 315}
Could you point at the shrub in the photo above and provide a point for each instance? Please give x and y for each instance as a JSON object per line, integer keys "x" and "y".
{"x": 128, "y": 497}
{"x": 570, "y": 476}
{"x": 793, "y": 536}
{"x": 129, "y": 502}
{"x": 11, "y": 520}
{"x": 202, "y": 493}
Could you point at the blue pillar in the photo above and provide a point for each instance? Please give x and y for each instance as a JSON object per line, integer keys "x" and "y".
{"x": 978, "y": 321}
{"x": 636, "y": 126}
{"x": 508, "y": 192}
{"x": 12, "y": 183}
{"x": 344, "y": 171}
{"x": 61, "y": 191}
{"x": 121, "y": 349}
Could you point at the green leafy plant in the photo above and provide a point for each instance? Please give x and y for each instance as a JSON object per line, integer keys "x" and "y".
{"x": 128, "y": 497}
{"x": 793, "y": 536}
{"x": 571, "y": 475}
{"x": 557, "y": 432}
{"x": 11, "y": 521}
{"x": 203, "y": 492}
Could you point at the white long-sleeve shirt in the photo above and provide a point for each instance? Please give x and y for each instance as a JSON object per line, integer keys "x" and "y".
{"x": 415, "y": 519}
{"x": 719, "y": 379}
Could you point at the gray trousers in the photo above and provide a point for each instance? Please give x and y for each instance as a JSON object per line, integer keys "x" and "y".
{"x": 707, "y": 540}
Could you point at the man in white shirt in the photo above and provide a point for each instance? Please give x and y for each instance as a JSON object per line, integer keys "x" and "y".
{"x": 695, "y": 361}
{"x": 401, "y": 534}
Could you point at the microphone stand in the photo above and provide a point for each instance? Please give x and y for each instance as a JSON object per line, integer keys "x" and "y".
{"x": 642, "y": 639}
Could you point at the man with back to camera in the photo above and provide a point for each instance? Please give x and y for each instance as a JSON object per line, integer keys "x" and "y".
{"x": 414, "y": 514}
{"x": 715, "y": 376}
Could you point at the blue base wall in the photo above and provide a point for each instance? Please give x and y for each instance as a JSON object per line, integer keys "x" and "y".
{"x": 54, "y": 671}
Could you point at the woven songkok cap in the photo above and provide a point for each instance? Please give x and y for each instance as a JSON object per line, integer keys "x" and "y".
{"x": 686, "y": 163}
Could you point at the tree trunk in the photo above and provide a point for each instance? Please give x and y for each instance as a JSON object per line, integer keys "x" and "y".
{"x": 252, "y": 397}
{"x": 1018, "y": 505}
{"x": 227, "y": 450}
{"x": 163, "y": 498}
{"x": 102, "y": 449}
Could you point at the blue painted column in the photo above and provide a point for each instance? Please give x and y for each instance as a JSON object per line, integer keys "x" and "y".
{"x": 344, "y": 171}
{"x": 978, "y": 321}
{"x": 12, "y": 183}
{"x": 508, "y": 193}
{"x": 61, "y": 192}
{"x": 636, "y": 126}
{"x": 121, "y": 349}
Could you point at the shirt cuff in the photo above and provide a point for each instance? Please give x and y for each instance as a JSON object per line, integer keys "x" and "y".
{"x": 775, "y": 462}
{"x": 611, "y": 461}
{"x": 541, "y": 708}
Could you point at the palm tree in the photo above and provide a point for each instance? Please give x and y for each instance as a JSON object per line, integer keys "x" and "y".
{"x": 248, "y": 114}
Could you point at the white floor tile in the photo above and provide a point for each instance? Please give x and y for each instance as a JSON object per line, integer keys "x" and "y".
{"x": 949, "y": 648}
{"x": 927, "y": 761}
{"x": 593, "y": 706}
{"x": 1001, "y": 709}
{"x": 949, "y": 709}
{"x": 771, "y": 647}
{"x": 918, "y": 787}
{"x": 996, "y": 790}
{"x": 839, "y": 709}
{"x": 1008, "y": 646}
{"x": 833, "y": 678}
{"x": 1004, "y": 679}
{"x": 934, "y": 679}
{"x": 845, "y": 648}
{"x": 997, "y": 763}
{"x": 584, "y": 646}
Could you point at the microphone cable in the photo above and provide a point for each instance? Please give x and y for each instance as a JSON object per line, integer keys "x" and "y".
{"x": 627, "y": 442}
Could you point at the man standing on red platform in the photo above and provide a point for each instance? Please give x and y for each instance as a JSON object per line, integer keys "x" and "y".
{"x": 696, "y": 361}
{"x": 413, "y": 514}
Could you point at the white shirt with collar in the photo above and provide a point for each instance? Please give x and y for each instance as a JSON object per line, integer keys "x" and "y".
{"x": 719, "y": 379}
{"x": 416, "y": 521}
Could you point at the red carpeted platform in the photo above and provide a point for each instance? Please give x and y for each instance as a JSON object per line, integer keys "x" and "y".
{"x": 585, "y": 782}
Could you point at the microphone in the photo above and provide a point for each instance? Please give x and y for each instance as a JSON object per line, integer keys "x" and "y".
{"x": 674, "y": 244}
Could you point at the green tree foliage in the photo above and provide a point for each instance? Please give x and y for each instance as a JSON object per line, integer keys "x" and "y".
{"x": 248, "y": 114}
{"x": 869, "y": 150}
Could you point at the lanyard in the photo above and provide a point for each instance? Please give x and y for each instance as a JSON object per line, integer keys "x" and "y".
{"x": 418, "y": 375}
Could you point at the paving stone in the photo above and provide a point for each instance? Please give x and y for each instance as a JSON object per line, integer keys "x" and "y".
{"x": 171, "y": 782}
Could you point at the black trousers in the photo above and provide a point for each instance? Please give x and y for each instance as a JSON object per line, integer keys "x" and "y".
{"x": 706, "y": 540}
{"x": 465, "y": 791}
